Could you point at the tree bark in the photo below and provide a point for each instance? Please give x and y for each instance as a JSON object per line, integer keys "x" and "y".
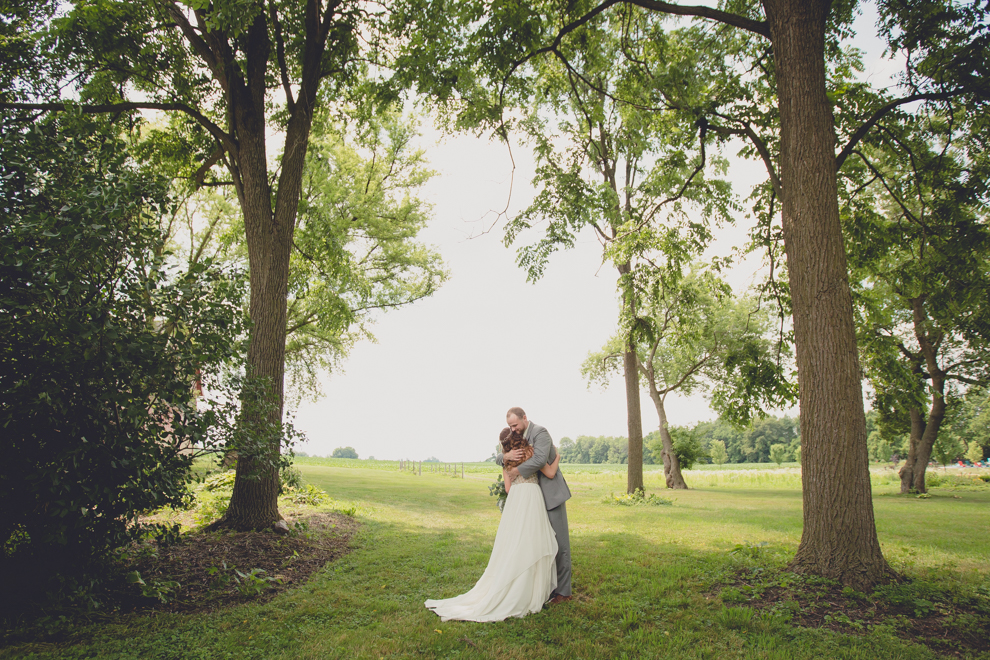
{"x": 254, "y": 501}
{"x": 923, "y": 437}
{"x": 671, "y": 466}
{"x": 634, "y": 411}
{"x": 911, "y": 463}
{"x": 924, "y": 431}
{"x": 268, "y": 229}
{"x": 634, "y": 422}
{"x": 839, "y": 538}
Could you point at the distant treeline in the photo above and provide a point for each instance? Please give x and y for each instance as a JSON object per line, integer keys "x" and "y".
{"x": 778, "y": 439}
{"x": 751, "y": 444}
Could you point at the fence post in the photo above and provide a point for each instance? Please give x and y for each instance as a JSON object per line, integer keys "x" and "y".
{"x": 421, "y": 468}
{"x": 462, "y": 469}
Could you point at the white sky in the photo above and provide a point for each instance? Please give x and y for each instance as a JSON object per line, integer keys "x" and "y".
{"x": 445, "y": 369}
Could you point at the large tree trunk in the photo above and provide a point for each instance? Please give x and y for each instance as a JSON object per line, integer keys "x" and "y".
{"x": 929, "y": 340}
{"x": 634, "y": 423}
{"x": 839, "y": 539}
{"x": 634, "y": 412}
{"x": 914, "y": 462}
{"x": 254, "y": 501}
{"x": 671, "y": 466}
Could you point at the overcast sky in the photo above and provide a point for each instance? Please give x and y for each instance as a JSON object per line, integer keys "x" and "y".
{"x": 444, "y": 370}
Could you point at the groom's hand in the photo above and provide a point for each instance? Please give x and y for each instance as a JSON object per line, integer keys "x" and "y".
{"x": 514, "y": 455}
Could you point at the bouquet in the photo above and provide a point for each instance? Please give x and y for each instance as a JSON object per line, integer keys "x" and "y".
{"x": 497, "y": 489}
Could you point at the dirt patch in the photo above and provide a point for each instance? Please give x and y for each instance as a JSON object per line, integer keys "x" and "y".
{"x": 216, "y": 569}
{"x": 954, "y": 629}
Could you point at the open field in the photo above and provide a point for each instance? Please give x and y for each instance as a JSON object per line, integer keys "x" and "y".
{"x": 650, "y": 579}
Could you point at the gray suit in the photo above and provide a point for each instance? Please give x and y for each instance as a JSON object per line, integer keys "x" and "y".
{"x": 555, "y": 494}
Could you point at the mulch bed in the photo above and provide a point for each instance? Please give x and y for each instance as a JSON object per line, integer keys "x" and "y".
{"x": 951, "y": 630}
{"x": 205, "y": 564}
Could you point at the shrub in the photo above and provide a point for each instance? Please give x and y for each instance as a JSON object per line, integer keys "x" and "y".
{"x": 638, "y": 498}
{"x": 687, "y": 448}
{"x": 290, "y": 477}
{"x": 310, "y": 495}
{"x": 102, "y": 344}
{"x": 220, "y": 481}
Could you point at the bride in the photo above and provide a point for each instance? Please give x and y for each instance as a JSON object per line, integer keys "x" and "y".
{"x": 521, "y": 573}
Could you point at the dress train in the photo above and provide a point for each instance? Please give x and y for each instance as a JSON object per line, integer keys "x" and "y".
{"x": 521, "y": 572}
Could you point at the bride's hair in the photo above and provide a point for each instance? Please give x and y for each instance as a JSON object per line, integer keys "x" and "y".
{"x": 510, "y": 440}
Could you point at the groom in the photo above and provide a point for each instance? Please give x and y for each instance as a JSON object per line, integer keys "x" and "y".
{"x": 555, "y": 491}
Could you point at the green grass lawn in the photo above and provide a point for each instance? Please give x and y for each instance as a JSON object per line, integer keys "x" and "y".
{"x": 648, "y": 577}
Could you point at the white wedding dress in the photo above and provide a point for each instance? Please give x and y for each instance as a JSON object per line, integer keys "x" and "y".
{"x": 521, "y": 572}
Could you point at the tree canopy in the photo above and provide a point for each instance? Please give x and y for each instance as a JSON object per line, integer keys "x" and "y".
{"x": 232, "y": 73}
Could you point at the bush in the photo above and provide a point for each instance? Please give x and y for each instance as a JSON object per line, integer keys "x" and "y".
{"x": 687, "y": 448}
{"x": 310, "y": 495}
{"x": 290, "y": 477}
{"x": 102, "y": 344}
{"x": 638, "y": 498}
{"x": 220, "y": 481}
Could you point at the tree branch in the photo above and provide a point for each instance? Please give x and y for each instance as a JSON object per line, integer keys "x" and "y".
{"x": 687, "y": 374}
{"x": 758, "y": 27}
{"x": 880, "y": 114}
{"x": 290, "y": 102}
{"x": 965, "y": 379}
{"x": 226, "y": 140}
{"x": 199, "y": 45}
{"x": 205, "y": 167}
{"x": 761, "y": 148}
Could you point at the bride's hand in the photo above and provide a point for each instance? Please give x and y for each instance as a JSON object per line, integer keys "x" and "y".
{"x": 514, "y": 455}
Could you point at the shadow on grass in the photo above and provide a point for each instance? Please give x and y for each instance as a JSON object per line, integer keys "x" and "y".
{"x": 634, "y": 596}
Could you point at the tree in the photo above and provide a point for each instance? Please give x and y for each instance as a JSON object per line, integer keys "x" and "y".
{"x": 345, "y": 452}
{"x": 103, "y": 344}
{"x": 765, "y": 432}
{"x": 620, "y": 171}
{"x": 235, "y": 70}
{"x": 914, "y": 208}
{"x": 778, "y": 453}
{"x": 782, "y": 107}
{"x": 947, "y": 449}
{"x": 975, "y": 452}
{"x": 687, "y": 447}
{"x": 972, "y": 419}
{"x": 354, "y": 250}
{"x": 692, "y": 334}
{"x": 717, "y": 452}
{"x": 599, "y": 451}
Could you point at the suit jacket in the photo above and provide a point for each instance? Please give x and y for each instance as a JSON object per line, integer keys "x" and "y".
{"x": 555, "y": 491}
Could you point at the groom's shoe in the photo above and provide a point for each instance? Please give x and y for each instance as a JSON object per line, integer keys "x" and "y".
{"x": 558, "y": 599}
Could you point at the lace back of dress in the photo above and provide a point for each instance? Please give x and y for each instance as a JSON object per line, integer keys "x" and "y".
{"x": 531, "y": 479}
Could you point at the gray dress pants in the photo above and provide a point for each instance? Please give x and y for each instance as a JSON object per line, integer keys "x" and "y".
{"x": 558, "y": 520}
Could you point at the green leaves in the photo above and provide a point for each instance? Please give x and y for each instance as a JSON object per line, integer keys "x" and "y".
{"x": 230, "y": 16}
{"x": 103, "y": 342}
{"x": 356, "y": 251}
{"x": 913, "y": 210}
